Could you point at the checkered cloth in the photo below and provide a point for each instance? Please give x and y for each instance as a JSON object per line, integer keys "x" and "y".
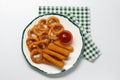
{"x": 81, "y": 17}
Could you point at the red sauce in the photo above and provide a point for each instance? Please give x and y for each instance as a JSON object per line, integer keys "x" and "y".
{"x": 65, "y": 37}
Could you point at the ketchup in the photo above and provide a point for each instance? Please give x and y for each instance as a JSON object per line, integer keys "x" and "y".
{"x": 65, "y": 37}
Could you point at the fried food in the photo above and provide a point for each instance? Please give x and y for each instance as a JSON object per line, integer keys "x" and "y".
{"x": 36, "y": 56}
{"x": 30, "y": 40}
{"x": 58, "y": 49}
{"x": 52, "y": 36}
{"x": 42, "y": 25}
{"x": 43, "y": 43}
{"x": 52, "y": 20}
{"x": 53, "y": 60}
{"x": 57, "y": 28}
{"x": 54, "y": 54}
{"x": 68, "y": 47}
{"x": 44, "y": 36}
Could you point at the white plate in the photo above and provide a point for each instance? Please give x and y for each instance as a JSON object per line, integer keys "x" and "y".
{"x": 73, "y": 57}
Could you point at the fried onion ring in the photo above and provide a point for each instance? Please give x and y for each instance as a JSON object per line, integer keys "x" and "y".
{"x": 36, "y": 56}
{"x": 52, "y": 36}
{"x": 44, "y": 36}
{"x": 42, "y": 44}
{"x": 42, "y": 25}
{"x": 52, "y": 20}
{"x": 31, "y": 33}
{"x": 36, "y": 30}
{"x": 30, "y": 40}
{"x": 32, "y": 46}
{"x": 57, "y": 28}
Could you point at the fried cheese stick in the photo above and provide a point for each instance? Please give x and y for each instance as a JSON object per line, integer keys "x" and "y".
{"x": 68, "y": 47}
{"x": 58, "y": 63}
{"x": 54, "y": 54}
{"x": 58, "y": 49}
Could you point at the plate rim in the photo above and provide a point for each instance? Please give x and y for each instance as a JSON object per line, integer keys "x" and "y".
{"x": 31, "y": 23}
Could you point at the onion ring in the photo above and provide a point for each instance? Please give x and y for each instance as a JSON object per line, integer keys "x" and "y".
{"x": 57, "y": 28}
{"x": 37, "y": 53}
{"x": 31, "y": 33}
{"x": 52, "y": 20}
{"x": 32, "y": 46}
{"x": 44, "y": 36}
{"x": 52, "y": 36}
{"x": 42, "y": 25}
{"x": 30, "y": 40}
{"x": 36, "y": 30}
{"x": 42, "y": 44}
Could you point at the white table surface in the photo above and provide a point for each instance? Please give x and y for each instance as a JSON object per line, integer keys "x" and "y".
{"x": 105, "y": 24}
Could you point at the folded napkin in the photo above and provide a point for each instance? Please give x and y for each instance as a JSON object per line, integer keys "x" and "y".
{"x": 81, "y": 17}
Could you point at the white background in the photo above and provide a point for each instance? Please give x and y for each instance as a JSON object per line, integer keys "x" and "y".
{"x": 105, "y": 24}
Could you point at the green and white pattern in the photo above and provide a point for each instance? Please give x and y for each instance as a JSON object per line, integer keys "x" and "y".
{"x": 80, "y": 16}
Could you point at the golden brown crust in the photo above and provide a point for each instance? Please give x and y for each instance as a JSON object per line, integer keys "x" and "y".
{"x": 42, "y": 25}
{"x": 53, "y": 60}
{"x": 42, "y": 44}
{"x": 68, "y": 47}
{"x": 34, "y": 53}
{"x": 51, "y": 35}
{"x": 54, "y": 54}
{"x": 57, "y": 28}
{"x": 58, "y": 49}
{"x": 44, "y": 36}
{"x": 30, "y": 40}
{"x": 52, "y": 20}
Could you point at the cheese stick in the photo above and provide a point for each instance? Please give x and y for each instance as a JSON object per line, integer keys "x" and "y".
{"x": 60, "y": 64}
{"x": 54, "y": 54}
{"x": 45, "y": 61}
{"x": 58, "y": 49}
{"x": 68, "y": 47}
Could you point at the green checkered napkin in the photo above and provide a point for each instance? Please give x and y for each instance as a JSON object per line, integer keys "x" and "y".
{"x": 80, "y": 16}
